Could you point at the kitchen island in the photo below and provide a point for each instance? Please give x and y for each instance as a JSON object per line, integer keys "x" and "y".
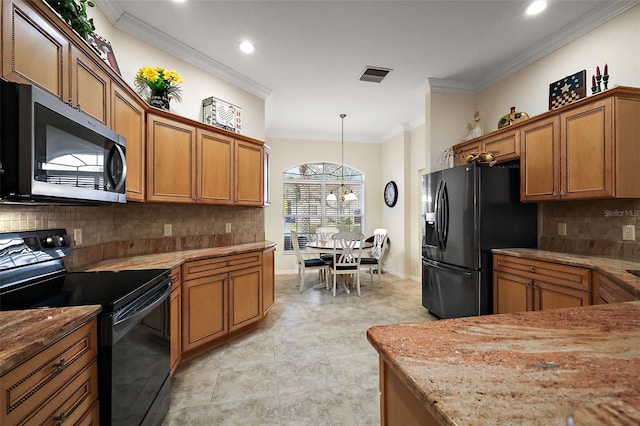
{"x": 530, "y": 368}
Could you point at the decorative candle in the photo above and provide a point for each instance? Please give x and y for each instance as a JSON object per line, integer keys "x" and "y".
{"x": 606, "y": 69}
{"x": 593, "y": 80}
{"x": 598, "y": 71}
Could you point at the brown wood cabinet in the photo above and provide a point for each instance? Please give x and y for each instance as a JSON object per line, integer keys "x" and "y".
{"x": 171, "y": 160}
{"x": 268, "y": 280}
{"x": 521, "y": 284}
{"x": 249, "y": 178}
{"x": 587, "y": 151}
{"x": 175, "y": 329}
{"x": 90, "y": 87}
{"x": 220, "y": 295}
{"x": 503, "y": 144}
{"x": 607, "y": 290}
{"x": 215, "y": 168}
{"x": 58, "y": 383}
{"x": 128, "y": 120}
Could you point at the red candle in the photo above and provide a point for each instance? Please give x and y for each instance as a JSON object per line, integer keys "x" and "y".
{"x": 598, "y": 71}
{"x": 593, "y": 80}
{"x": 606, "y": 69}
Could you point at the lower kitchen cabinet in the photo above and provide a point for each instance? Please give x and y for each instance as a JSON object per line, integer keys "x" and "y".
{"x": 522, "y": 284}
{"x": 606, "y": 290}
{"x": 223, "y": 295}
{"x": 58, "y": 384}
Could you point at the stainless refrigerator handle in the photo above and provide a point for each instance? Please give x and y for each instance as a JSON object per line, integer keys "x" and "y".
{"x": 438, "y": 209}
{"x": 445, "y": 215}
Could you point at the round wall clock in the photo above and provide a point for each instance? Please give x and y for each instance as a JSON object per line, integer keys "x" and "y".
{"x": 391, "y": 193}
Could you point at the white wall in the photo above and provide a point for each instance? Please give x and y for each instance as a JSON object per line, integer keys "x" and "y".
{"x": 286, "y": 153}
{"x": 450, "y": 116}
{"x": 132, "y": 53}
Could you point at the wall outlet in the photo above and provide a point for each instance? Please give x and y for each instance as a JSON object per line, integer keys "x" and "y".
{"x": 562, "y": 228}
{"x": 227, "y": 227}
{"x": 168, "y": 230}
{"x": 77, "y": 237}
{"x": 628, "y": 232}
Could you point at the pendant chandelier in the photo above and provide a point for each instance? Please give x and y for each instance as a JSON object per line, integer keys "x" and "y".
{"x": 346, "y": 194}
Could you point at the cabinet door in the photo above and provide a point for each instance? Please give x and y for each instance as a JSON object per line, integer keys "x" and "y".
{"x": 171, "y": 160}
{"x": 249, "y": 174}
{"x": 606, "y": 290}
{"x": 268, "y": 281}
{"x": 267, "y": 175}
{"x": 128, "y": 120}
{"x": 176, "y": 318}
{"x": 90, "y": 87}
{"x": 245, "y": 297}
{"x": 587, "y": 159}
{"x": 33, "y": 51}
{"x": 511, "y": 293}
{"x": 215, "y": 168}
{"x": 540, "y": 160}
{"x": 461, "y": 151}
{"x": 504, "y": 146}
{"x": 551, "y": 296}
{"x": 204, "y": 304}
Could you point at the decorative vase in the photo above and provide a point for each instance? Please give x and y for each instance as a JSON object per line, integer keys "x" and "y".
{"x": 159, "y": 99}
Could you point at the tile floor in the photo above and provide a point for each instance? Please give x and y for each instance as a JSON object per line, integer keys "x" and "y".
{"x": 309, "y": 363}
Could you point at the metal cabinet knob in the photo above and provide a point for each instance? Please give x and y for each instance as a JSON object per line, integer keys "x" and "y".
{"x": 60, "y": 419}
{"x": 532, "y": 269}
{"x": 59, "y": 366}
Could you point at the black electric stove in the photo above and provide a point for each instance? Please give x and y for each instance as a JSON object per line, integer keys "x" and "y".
{"x": 133, "y": 326}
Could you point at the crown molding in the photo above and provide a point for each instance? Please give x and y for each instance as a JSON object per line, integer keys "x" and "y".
{"x": 140, "y": 29}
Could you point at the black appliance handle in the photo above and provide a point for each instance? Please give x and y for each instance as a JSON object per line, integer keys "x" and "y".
{"x": 127, "y": 318}
{"x": 445, "y": 215}
{"x": 437, "y": 207}
{"x": 110, "y": 173}
{"x": 436, "y": 265}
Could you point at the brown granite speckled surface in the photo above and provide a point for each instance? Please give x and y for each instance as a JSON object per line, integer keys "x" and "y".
{"x": 531, "y": 368}
{"x": 614, "y": 268}
{"x": 174, "y": 259}
{"x": 25, "y": 333}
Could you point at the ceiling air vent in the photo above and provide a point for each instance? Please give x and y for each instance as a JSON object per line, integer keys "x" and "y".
{"x": 374, "y": 74}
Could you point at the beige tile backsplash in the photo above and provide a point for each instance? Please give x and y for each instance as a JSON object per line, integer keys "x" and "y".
{"x": 593, "y": 227}
{"x": 135, "y": 228}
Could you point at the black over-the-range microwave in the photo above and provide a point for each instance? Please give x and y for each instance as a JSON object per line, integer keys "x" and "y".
{"x": 51, "y": 152}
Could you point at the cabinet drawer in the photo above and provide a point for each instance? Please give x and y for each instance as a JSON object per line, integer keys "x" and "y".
{"x": 27, "y": 386}
{"x": 608, "y": 291}
{"x": 568, "y": 276}
{"x": 71, "y": 404}
{"x": 218, "y": 265}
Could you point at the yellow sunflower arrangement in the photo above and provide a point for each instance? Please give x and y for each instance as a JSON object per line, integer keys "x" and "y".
{"x": 159, "y": 79}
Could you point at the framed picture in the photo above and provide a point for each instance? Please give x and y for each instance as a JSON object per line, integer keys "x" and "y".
{"x": 222, "y": 114}
{"x": 567, "y": 90}
{"x": 104, "y": 50}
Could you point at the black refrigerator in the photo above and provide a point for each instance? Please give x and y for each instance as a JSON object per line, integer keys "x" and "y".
{"x": 467, "y": 211}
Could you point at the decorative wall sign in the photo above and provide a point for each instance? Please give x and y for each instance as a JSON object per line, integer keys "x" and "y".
{"x": 104, "y": 49}
{"x": 569, "y": 89}
{"x": 222, "y": 114}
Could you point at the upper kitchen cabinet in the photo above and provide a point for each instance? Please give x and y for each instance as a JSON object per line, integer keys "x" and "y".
{"x": 249, "y": 178}
{"x": 171, "y": 160}
{"x": 128, "y": 120}
{"x": 215, "y": 168}
{"x": 586, "y": 151}
{"x": 33, "y": 50}
{"x": 90, "y": 86}
{"x": 503, "y": 144}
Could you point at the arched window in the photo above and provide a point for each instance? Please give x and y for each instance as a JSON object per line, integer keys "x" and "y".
{"x": 305, "y": 205}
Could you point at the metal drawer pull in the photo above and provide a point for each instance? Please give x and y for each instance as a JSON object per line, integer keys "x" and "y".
{"x": 60, "y": 419}
{"x": 59, "y": 366}
{"x": 532, "y": 269}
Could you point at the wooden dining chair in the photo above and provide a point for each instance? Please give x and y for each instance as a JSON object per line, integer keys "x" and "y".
{"x": 347, "y": 251}
{"x": 377, "y": 253}
{"x": 308, "y": 264}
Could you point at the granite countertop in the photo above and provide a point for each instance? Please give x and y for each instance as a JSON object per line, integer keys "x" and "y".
{"x": 174, "y": 259}
{"x": 24, "y": 333}
{"x": 530, "y": 368}
{"x": 614, "y": 268}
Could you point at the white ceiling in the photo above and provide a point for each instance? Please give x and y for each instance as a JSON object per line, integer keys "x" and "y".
{"x": 310, "y": 54}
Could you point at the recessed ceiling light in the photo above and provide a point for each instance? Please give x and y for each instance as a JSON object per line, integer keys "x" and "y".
{"x": 179, "y": 1}
{"x": 247, "y": 47}
{"x": 536, "y": 7}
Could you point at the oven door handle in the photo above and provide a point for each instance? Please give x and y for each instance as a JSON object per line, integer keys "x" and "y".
{"x": 140, "y": 309}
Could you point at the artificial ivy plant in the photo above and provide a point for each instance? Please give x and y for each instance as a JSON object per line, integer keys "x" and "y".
{"x": 74, "y": 12}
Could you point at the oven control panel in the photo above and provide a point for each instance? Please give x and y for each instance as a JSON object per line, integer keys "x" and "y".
{"x": 28, "y": 247}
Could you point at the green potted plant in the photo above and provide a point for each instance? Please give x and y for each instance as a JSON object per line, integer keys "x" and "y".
{"x": 74, "y": 12}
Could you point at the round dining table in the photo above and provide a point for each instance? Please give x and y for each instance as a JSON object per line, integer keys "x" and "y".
{"x": 328, "y": 245}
